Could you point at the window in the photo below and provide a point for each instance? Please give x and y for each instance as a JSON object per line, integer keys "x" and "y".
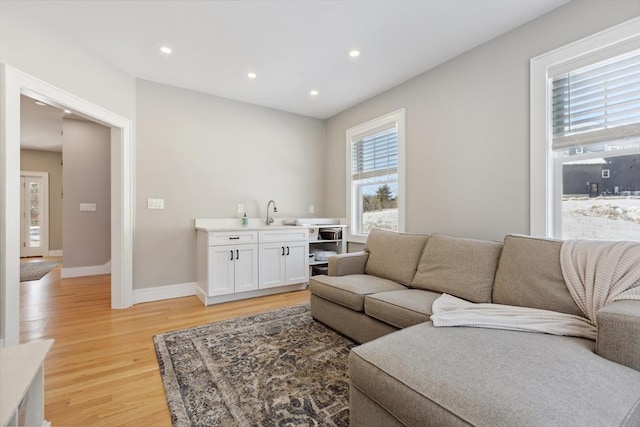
{"x": 375, "y": 175}
{"x": 585, "y": 138}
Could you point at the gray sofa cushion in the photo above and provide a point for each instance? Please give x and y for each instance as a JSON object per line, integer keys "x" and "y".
{"x": 401, "y": 308}
{"x": 394, "y": 256}
{"x": 461, "y": 267}
{"x": 451, "y": 376}
{"x": 619, "y": 333}
{"x": 349, "y": 263}
{"x": 349, "y": 291}
{"x": 529, "y": 275}
{"x": 354, "y": 324}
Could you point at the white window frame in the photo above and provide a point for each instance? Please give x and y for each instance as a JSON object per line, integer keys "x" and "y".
{"x": 545, "y": 183}
{"x": 397, "y": 118}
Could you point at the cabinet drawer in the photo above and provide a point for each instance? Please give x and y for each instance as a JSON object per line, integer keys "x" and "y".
{"x": 232, "y": 237}
{"x": 286, "y": 235}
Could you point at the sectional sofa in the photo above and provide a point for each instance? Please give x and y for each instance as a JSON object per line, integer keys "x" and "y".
{"x": 408, "y": 372}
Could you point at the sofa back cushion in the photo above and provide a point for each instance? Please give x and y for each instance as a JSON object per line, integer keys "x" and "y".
{"x": 461, "y": 267}
{"x": 529, "y": 275}
{"x": 394, "y": 256}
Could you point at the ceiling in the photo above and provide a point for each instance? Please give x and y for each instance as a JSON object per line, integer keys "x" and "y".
{"x": 41, "y": 125}
{"x": 293, "y": 46}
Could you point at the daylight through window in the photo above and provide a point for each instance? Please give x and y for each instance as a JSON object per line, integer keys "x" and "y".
{"x": 375, "y": 172}
{"x": 595, "y": 125}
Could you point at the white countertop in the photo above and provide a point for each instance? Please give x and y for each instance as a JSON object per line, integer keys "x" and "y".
{"x": 19, "y": 365}
{"x": 255, "y": 224}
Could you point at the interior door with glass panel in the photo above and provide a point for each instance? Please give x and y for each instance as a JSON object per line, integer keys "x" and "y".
{"x": 33, "y": 215}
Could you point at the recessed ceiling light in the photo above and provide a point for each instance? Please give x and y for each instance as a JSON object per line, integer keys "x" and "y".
{"x": 166, "y": 49}
{"x": 40, "y": 103}
{"x": 313, "y": 92}
{"x": 252, "y": 75}
{"x": 67, "y": 111}
{"x": 354, "y": 53}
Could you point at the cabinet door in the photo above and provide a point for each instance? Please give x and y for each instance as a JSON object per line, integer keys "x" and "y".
{"x": 272, "y": 265}
{"x": 246, "y": 267}
{"x": 297, "y": 269}
{"x": 221, "y": 270}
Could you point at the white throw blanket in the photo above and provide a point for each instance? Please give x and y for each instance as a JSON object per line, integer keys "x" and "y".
{"x": 596, "y": 273}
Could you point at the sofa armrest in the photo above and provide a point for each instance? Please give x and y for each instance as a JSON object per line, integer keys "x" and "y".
{"x": 619, "y": 333}
{"x": 350, "y": 263}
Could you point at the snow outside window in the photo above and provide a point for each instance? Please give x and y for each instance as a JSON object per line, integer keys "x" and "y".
{"x": 589, "y": 132}
{"x": 375, "y": 160}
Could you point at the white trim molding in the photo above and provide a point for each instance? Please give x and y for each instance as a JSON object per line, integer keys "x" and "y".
{"x": 14, "y": 83}
{"x": 55, "y": 252}
{"x": 399, "y": 118}
{"x": 159, "y": 293}
{"x": 91, "y": 270}
{"x": 542, "y": 181}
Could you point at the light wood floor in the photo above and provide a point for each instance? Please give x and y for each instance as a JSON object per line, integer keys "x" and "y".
{"x": 102, "y": 369}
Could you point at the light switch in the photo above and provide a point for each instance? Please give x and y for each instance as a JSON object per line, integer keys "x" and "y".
{"x": 312, "y": 209}
{"x": 155, "y": 203}
{"x": 87, "y": 207}
{"x": 240, "y": 208}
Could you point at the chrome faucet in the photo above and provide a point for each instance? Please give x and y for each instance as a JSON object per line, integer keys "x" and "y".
{"x": 275, "y": 209}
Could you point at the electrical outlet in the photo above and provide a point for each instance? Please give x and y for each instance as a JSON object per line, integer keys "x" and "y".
{"x": 240, "y": 208}
{"x": 87, "y": 207}
{"x": 312, "y": 209}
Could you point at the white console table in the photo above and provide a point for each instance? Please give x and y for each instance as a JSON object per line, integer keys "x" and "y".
{"x": 22, "y": 384}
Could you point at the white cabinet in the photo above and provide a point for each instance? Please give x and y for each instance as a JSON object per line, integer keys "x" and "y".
{"x": 232, "y": 269}
{"x": 238, "y": 264}
{"x": 227, "y": 262}
{"x": 284, "y": 258}
{"x": 283, "y": 263}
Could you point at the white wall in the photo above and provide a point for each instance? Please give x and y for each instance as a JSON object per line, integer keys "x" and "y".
{"x": 468, "y": 128}
{"x": 203, "y": 155}
{"x": 87, "y": 235}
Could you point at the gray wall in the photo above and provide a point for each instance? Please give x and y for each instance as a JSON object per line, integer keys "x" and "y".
{"x": 51, "y": 162}
{"x": 45, "y": 53}
{"x": 203, "y": 155}
{"x": 86, "y": 153}
{"x": 468, "y": 128}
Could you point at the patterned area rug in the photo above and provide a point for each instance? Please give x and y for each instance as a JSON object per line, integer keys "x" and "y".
{"x": 36, "y": 270}
{"x": 277, "y": 368}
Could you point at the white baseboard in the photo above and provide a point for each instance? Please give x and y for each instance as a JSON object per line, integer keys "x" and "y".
{"x": 207, "y": 300}
{"x": 164, "y": 292}
{"x": 56, "y": 252}
{"x": 92, "y": 270}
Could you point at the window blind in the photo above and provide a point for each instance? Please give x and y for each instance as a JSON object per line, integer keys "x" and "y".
{"x": 597, "y": 103}
{"x": 375, "y": 154}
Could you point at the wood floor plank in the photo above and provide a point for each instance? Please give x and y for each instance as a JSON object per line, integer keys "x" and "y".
{"x": 102, "y": 369}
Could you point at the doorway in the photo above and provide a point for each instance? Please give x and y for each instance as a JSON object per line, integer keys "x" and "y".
{"x": 34, "y": 215}
{"x": 13, "y": 83}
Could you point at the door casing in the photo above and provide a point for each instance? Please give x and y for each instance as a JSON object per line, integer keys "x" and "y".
{"x": 14, "y": 83}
